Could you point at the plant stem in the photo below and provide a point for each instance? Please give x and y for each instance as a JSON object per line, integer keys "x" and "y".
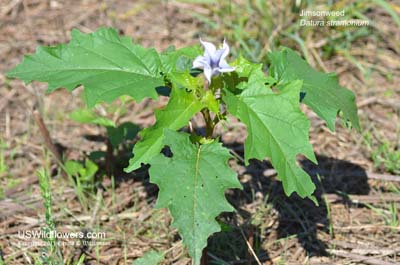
{"x": 207, "y": 117}
{"x": 48, "y": 142}
{"x": 209, "y": 123}
{"x": 109, "y": 158}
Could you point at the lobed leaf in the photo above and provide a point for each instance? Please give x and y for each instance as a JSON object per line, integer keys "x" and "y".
{"x": 192, "y": 184}
{"x": 107, "y": 65}
{"x": 322, "y": 92}
{"x": 276, "y": 129}
{"x": 182, "y": 106}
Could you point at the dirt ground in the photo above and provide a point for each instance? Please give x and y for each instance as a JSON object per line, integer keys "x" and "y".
{"x": 357, "y": 221}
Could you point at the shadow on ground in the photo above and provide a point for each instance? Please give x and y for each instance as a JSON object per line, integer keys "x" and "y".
{"x": 299, "y": 218}
{"x": 296, "y": 217}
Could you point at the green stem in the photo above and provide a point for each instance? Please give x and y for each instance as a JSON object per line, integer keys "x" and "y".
{"x": 209, "y": 123}
{"x": 207, "y": 117}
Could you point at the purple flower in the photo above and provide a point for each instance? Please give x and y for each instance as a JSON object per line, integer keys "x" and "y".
{"x": 213, "y": 61}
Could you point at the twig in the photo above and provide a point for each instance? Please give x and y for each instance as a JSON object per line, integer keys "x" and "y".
{"x": 46, "y": 136}
{"x": 96, "y": 207}
{"x": 368, "y": 174}
{"x": 375, "y": 227}
{"x": 218, "y": 259}
{"x": 251, "y": 243}
{"x": 238, "y": 157}
{"x": 385, "y": 177}
{"x": 374, "y": 100}
{"x": 363, "y": 249}
{"x": 250, "y": 248}
{"x": 359, "y": 258}
{"x": 364, "y": 198}
{"x": 48, "y": 142}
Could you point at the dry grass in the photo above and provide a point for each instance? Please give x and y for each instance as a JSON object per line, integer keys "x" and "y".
{"x": 357, "y": 221}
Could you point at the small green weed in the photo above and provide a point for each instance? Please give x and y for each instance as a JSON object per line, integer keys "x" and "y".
{"x": 384, "y": 153}
{"x": 53, "y": 255}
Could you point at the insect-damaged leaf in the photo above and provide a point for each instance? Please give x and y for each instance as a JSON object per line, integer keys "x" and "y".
{"x": 192, "y": 184}
{"x": 182, "y": 106}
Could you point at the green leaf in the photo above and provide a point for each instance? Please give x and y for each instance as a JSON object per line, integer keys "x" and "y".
{"x": 179, "y": 60}
{"x": 185, "y": 80}
{"x": 97, "y": 155}
{"x": 90, "y": 117}
{"x": 106, "y": 64}
{"x": 73, "y": 167}
{"x": 183, "y": 105}
{"x": 323, "y": 94}
{"x": 125, "y": 131}
{"x": 243, "y": 67}
{"x": 150, "y": 258}
{"x": 245, "y": 75}
{"x": 85, "y": 172}
{"x": 211, "y": 102}
{"x": 276, "y": 129}
{"x": 192, "y": 184}
{"x": 90, "y": 170}
{"x": 256, "y": 79}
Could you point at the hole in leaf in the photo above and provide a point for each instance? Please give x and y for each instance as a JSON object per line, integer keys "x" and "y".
{"x": 195, "y": 72}
{"x": 163, "y": 90}
{"x": 302, "y": 96}
{"x": 167, "y": 151}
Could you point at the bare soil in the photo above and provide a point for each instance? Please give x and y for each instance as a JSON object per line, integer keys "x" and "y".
{"x": 355, "y": 222}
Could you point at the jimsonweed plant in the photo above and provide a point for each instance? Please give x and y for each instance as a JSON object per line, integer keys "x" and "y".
{"x": 193, "y": 180}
